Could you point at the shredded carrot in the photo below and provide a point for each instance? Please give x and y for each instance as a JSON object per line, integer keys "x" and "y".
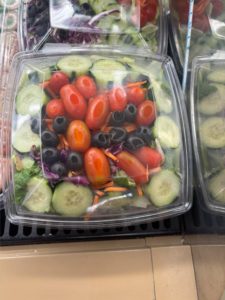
{"x": 111, "y": 156}
{"x": 96, "y": 200}
{"x": 130, "y": 127}
{"x": 44, "y": 84}
{"x": 66, "y": 144}
{"x": 139, "y": 190}
{"x": 105, "y": 128}
{"x": 115, "y": 189}
{"x": 154, "y": 171}
{"x": 99, "y": 193}
{"x": 136, "y": 84}
{"x": 100, "y": 187}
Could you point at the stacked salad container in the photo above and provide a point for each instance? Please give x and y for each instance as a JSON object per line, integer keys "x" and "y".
{"x": 94, "y": 125}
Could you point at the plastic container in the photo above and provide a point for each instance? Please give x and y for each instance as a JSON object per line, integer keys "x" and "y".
{"x": 208, "y": 31}
{"x": 8, "y": 47}
{"x": 208, "y": 128}
{"x": 131, "y": 151}
{"x": 36, "y": 30}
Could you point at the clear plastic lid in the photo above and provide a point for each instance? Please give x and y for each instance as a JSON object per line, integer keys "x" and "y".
{"x": 208, "y": 27}
{"x": 208, "y": 127}
{"x": 37, "y": 28}
{"x": 8, "y": 47}
{"x": 99, "y": 138}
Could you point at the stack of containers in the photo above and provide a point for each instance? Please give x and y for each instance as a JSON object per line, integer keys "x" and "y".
{"x": 95, "y": 136}
{"x": 208, "y": 28}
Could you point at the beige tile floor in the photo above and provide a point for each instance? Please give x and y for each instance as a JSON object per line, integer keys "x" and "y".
{"x": 116, "y": 270}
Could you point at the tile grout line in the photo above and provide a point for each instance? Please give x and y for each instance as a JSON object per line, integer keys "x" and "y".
{"x": 192, "y": 257}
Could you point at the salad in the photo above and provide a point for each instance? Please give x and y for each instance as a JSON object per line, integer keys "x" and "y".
{"x": 92, "y": 144}
{"x": 209, "y": 129}
{"x": 208, "y": 31}
{"x": 106, "y": 29}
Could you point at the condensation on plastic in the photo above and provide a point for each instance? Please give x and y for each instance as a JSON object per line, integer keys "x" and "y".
{"x": 210, "y": 157}
{"x": 8, "y": 47}
{"x": 154, "y": 35}
{"x": 208, "y": 31}
{"x": 161, "y": 72}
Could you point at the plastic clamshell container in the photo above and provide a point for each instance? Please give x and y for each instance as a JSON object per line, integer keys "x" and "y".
{"x": 35, "y": 30}
{"x": 118, "y": 182}
{"x": 208, "y": 29}
{"x": 208, "y": 128}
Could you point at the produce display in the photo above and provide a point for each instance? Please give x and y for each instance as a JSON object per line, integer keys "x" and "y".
{"x": 208, "y": 31}
{"x": 145, "y": 26}
{"x": 96, "y": 137}
{"x": 208, "y": 106}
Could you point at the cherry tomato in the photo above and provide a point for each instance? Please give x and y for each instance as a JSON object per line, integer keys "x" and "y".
{"x": 136, "y": 95}
{"x": 57, "y": 81}
{"x": 146, "y": 113}
{"x": 55, "y": 108}
{"x": 201, "y": 22}
{"x": 78, "y": 136}
{"x": 218, "y": 8}
{"x": 97, "y": 166}
{"x": 117, "y": 99}
{"x": 148, "y": 11}
{"x": 97, "y": 112}
{"x": 132, "y": 166}
{"x": 74, "y": 102}
{"x": 86, "y": 86}
{"x": 149, "y": 157}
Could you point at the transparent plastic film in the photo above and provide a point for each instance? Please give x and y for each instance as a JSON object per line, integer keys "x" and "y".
{"x": 209, "y": 127}
{"x": 145, "y": 25}
{"x": 91, "y": 146}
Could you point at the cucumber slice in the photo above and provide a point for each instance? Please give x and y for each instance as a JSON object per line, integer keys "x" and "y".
{"x": 163, "y": 188}
{"x": 167, "y": 132}
{"x": 71, "y": 200}
{"x": 74, "y": 63}
{"x": 39, "y": 195}
{"x": 107, "y": 71}
{"x": 212, "y": 132}
{"x": 213, "y": 103}
{"x": 217, "y": 76}
{"x": 217, "y": 187}
{"x": 30, "y": 100}
{"x": 24, "y": 138}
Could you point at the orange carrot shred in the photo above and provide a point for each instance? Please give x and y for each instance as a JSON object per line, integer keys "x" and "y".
{"x": 96, "y": 200}
{"x": 111, "y": 156}
{"x": 139, "y": 190}
{"x": 130, "y": 127}
{"x": 65, "y": 142}
{"x": 109, "y": 184}
{"x": 99, "y": 193}
{"x": 134, "y": 84}
{"x": 115, "y": 189}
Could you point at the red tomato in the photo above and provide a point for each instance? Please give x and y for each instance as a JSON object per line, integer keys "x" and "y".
{"x": 97, "y": 166}
{"x": 55, "y": 108}
{"x": 86, "y": 86}
{"x": 97, "y": 112}
{"x": 218, "y": 8}
{"x": 132, "y": 166}
{"x": 146, "y": 113}
{"x": 78, "y": 136}
{"x": 148, "y": 11}
{"x": 74, "y": 102}
{"x": 149, "y": 157}
{"x": 201, "y": 22}
{"x": 57, "y": 81}
{"x": 117, "y": 99}
{"x": 136, "y": 95}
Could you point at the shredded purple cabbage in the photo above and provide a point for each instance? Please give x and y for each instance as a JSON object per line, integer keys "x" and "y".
{"x": 116, "y": 149}
{"x": 64, "y": 155}
{"x": 35, "y": 154}
{"x": 82, "y": 180}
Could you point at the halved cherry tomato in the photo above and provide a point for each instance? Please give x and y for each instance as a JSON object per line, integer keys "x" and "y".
{"x": 146, "y": 113}
{"x": 148, "y": 11}
{"x": 86, "y": 86}
{"x": 149, "y": 157}
{"x": 57, "y": 81}
{"x": 201, "y": 22}
{"x": 97, "y": 166}
{"x": 55, "y": 108}
{"x": 218, "y": 8}
{"x": 74, "y": 102}
{"x": 78, "y": 136}
{"x": 117, "y": 99}
{"x": 136, "y": 95}
{"x": 97, "y": 112}
{"x": 132, "y": 166}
